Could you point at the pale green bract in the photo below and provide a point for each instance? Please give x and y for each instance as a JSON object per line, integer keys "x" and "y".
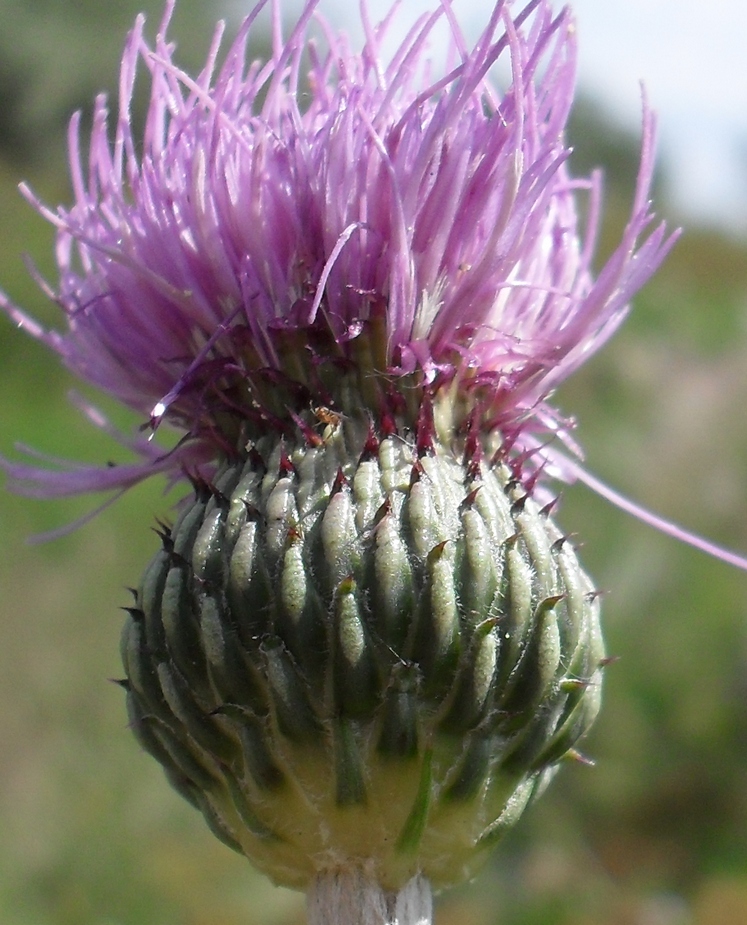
{"x": 359, "y": 655}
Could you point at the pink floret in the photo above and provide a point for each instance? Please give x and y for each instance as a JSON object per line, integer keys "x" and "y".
{"x": 264, "y": 198}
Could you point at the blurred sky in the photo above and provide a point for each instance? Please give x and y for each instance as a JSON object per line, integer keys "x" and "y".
{"x": 692, "y": 56}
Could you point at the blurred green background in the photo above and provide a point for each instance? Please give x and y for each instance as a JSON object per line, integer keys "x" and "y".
{"x": 654, "y": 834}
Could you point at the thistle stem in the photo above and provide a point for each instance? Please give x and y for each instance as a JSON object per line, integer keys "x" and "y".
{"x": 350, "y": 897}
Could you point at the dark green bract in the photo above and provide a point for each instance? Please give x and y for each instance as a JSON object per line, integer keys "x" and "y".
{"x": 358, "y": 650}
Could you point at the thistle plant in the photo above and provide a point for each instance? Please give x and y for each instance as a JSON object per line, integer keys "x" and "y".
{"x": 349, "y": 288}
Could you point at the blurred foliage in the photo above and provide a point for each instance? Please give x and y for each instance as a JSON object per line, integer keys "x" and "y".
{"x": 653, "y": 835}
{"x": 597, "y": 139}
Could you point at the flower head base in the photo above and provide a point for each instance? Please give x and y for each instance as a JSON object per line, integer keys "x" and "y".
{"x": 362, "y": 655}
{"x": 266, "y": 240}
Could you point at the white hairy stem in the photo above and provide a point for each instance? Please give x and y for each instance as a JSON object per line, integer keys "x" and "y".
{"x": 350, "y": 897}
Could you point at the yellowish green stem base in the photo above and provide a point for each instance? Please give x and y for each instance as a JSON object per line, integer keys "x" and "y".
{"x": 351, "y": 897}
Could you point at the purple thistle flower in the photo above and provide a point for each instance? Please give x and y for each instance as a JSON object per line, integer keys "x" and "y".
{"x": 263, "y": 228}
{"x": 364, "y": 646}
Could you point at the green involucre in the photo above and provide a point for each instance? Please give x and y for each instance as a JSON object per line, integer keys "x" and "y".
{"x": 360, "y": 653}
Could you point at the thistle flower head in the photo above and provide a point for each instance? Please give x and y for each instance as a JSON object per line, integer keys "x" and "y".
{"x": 284, "y": 227}
{"x": 350, "y": 286}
